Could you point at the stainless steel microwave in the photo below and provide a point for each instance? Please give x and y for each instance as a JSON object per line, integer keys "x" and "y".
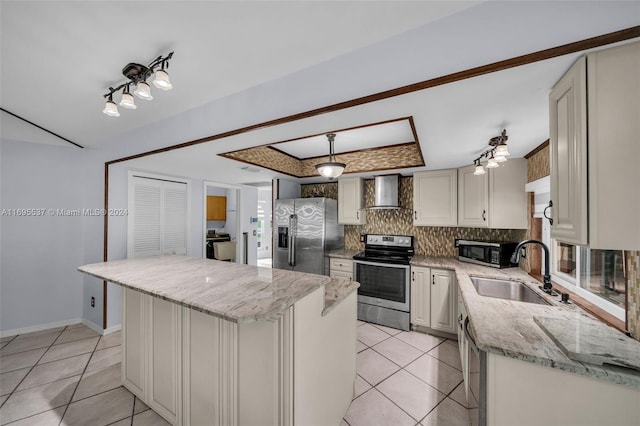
{"x": 487, "y": 253}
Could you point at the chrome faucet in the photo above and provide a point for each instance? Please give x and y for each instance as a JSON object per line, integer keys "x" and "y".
{"x": 515, "y": 257}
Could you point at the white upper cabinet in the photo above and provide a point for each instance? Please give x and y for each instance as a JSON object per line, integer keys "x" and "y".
{"x": 473, "y": 198}
{"x": 351, "y": 201}
{"x": 614, "y": 147}
{"x": 568, "y": 152}
{"x": 496, "y": 199}
{"x": 594, "y": 134}
{"x": 435, "y": 199}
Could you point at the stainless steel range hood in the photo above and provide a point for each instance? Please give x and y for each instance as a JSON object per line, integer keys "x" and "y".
{"x": 386, "y": 190}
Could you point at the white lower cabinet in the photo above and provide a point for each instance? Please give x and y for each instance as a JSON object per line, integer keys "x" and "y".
{"x": 151, "y": 367}
{"x": 433, "y": 298}
{"x": 420, "y": 296}
{"x": 341, "y": 269}
{"x": 463, "y": 346}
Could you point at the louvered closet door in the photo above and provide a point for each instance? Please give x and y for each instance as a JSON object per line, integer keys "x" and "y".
{"x": 157, "y": 217}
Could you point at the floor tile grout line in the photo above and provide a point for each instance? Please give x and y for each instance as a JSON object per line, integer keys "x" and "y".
{"x": 66, "y": 408}
{"x": 28, "y": 372}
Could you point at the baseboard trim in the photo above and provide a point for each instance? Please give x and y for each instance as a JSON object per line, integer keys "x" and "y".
{"x": 95, "y": 327}
{"x": 41, "y": 327}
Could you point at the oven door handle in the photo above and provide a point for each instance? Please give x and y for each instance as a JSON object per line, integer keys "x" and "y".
{"x": 385, "y": 265}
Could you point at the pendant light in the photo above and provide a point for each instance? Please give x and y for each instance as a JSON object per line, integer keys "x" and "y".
{"x": 127, "y": 100}
{"x": 161, "y": 80}
{"x": 143, "y": 91}
{"x": 331, "y": 169}
{"x": 479, "y": 169}
{"x": 492, "y": 163}
{"x": 110, "y": 108}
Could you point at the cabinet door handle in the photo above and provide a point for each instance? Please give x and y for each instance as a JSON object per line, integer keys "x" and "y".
{"x": 415, "y": 215}
{"x": 433, "y": 279}
{"x": 484, "y": 215}
{"x": 358, "y": 214}
{"x": 413, "y": 275}
{"x": 544, "y": 213}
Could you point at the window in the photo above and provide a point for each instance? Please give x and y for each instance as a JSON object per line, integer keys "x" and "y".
{"x": 596, "y": 275}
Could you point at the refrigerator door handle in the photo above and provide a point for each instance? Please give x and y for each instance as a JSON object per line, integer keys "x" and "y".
{"x": 292, "y": 240}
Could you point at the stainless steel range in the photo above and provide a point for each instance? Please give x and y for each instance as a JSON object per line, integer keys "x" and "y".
{"x": 382, "y": 270}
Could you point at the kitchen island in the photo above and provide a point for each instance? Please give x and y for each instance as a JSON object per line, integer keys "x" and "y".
{"x": 211, "y": 342}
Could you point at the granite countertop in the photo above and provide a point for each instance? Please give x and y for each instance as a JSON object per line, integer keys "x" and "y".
{"x": 235, "y": 292}
{"x": 508, "y": 328}
{"x": 343, "y": 253}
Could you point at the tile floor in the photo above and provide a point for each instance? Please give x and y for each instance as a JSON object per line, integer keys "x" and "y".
{"x": 407, "y": 378}
{"x": 71, "y": 376}
{"x": 66, "y": 376}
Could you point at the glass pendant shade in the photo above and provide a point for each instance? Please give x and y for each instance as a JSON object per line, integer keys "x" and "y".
{"x": 502, "y": 150}
{"x": 161, "y": 81}
{"x": 479, "y": 170}
{"x": 501, "y": 158}
{"x": 492, "y": 163}
{"x": 127, "y": 101}
{"x": 143, "y": 91}
{"x": 111, "y": 109}
{"x": 330, "y": 170}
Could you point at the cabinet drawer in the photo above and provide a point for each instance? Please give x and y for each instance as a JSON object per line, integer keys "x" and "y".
{"x": 344, "y": 265}
{"x": 341, "y": 275}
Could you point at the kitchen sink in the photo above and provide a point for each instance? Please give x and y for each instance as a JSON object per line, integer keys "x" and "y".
{"x": 506, "y": 289}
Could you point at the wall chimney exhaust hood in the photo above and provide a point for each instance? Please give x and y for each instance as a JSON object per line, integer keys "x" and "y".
{"x": 386, "y": 191}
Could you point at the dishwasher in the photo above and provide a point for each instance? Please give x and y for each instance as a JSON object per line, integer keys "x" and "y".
{"x": 475, "y": 375}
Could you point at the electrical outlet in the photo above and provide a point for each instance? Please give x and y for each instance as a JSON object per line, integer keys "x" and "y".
{"x": 93, "y": 302}
{"x": 363, "y": 237}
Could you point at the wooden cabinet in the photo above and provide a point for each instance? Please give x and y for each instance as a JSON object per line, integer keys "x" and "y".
{"x": 435, "y": 199}
{"x": 341, "y": 268}
{"x": 433, "y": 298}
{"x": 216, "y": 207}
{"x": 496, "y": 199}
{"x": 568, "y": 155}
{"x": 594, "y": 133}
{"x": 420, "y": 296}
{"x": 351, "y": 201}
{"x": 443, "y": 300}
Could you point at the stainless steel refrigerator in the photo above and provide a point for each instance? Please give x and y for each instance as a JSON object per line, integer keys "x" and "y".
{"x": 304, "y": 230}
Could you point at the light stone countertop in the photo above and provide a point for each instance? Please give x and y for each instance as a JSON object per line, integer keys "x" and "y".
{"x": 507, "y": 327}
{"x": 235, "y": 292}
{"x": 343, "y": 253}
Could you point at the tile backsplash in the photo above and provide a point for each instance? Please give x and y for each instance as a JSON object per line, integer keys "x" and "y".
{"x": 430, "y": 241}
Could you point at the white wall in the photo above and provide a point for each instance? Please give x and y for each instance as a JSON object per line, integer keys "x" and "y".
{"x": 39, "y": 283}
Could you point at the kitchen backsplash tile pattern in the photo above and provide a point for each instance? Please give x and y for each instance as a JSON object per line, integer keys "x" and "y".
{"x": 538, "y": 165}
{"x": 430, "y": 241}
{"x": 633, "y": 284}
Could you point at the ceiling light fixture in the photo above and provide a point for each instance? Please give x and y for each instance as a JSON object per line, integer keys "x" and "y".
{"x": 137, "y": 75}
{"x": 110, "y": 108}
{"x": 497, "y": 153}
{"x": 127, "y": 100}
{"x": 331, "y": 169}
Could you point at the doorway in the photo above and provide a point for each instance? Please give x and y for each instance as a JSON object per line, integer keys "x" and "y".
{"x": 264, "y": 236}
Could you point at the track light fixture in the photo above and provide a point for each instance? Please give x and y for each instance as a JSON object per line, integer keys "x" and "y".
{"x": 137, "y": 75}
{"x": 496, "y": 154}
{"x": 331, "y": 169}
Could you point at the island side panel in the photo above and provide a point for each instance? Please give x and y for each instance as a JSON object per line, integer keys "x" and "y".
{"x": 325, "y": 359}
{"x": 528, "y": 394}
{"x": 134, "y": 353}
{"x": 265, "y": 372}
{"x": 210, "y": 369}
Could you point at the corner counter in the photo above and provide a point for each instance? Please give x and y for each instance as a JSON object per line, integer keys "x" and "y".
{"x": 211, "y": 342}
{"x": 525, "y": 377}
